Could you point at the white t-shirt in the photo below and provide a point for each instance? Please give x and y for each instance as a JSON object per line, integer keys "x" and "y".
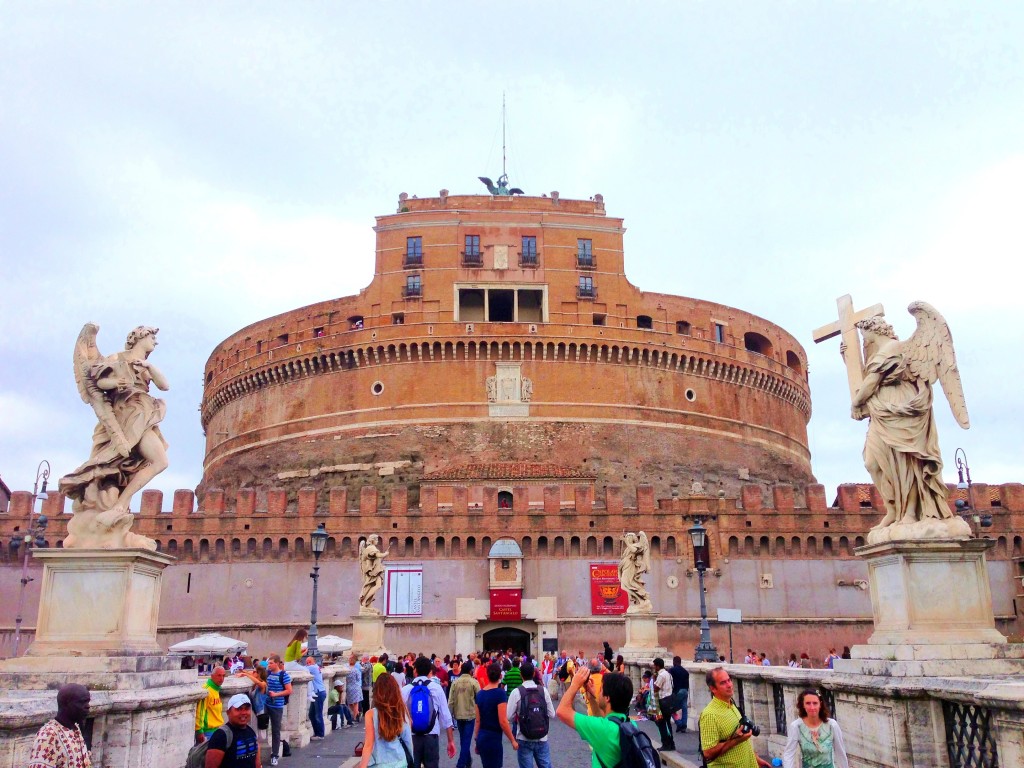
{"x": 663, "y": 682}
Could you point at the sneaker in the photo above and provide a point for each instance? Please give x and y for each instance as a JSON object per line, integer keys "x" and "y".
{"x": 273, "y": 760}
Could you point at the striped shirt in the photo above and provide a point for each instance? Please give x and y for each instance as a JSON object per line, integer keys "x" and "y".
{"x": 277, "y": 682}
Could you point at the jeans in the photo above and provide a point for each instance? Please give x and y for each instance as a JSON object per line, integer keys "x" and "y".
{"x": 316, "y": 714}
{"x": 681, "y": 700}
{"x": 465, "y": 729}
{"x": 276, "y": 714}
{"x": 488, "y": 744}
{"x": 533, "y": 751}
{"x": 340, "y": 714}
{"x": 665, "y": 724}
{"x": 426, "y": 750}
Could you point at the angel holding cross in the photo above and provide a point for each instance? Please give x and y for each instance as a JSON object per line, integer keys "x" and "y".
{"x": 893, "y": 389}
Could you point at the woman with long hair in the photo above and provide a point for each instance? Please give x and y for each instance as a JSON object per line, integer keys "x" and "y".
{"x": 815, "y": 739}
{"x": 387, "y": 742}
{"x": 492, "y": 719}
{"x": 293, "y": 653}
{"x": 620, "y": 665}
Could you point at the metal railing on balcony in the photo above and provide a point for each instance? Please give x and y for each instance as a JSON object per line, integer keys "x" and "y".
{"x": 585, "y": 261}
{"x": 472, "y": 259}
{"x": 528, "y": 259}
{"x": 412, "y": 291}
{"x": 413, "y": 261}
{"x": 586, "y": 293}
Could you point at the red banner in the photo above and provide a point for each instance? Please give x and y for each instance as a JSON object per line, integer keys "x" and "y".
{"x": 606, "y": 596}
{"x": 506, "y": 604}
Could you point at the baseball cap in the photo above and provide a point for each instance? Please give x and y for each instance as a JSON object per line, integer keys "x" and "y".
{"x": 239, "y": 700}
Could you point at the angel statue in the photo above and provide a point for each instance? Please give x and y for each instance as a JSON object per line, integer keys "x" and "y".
{"x": 634, "y": 563}
{"x": 371, "y": 565}
{"x": 901, "y": 452}
{"x": 501, "y": 189}
{"x": 127, "y": 448}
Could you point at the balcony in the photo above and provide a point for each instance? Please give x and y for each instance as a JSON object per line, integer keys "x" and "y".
{"x": 472, "y": 259}
{"x": 586, "y": 293}
{"x": 585, "y": 261}
{"x": 412, "y": 292}
{"x": 413, "y": 261}
{"x": 529, "y": 260}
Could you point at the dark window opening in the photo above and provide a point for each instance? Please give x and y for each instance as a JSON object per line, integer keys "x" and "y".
{"x": 644, "y": 321}
{"x": 682, "y": 327}
{"x": 793, "y": 361}
{"x": 719, "y": 333}
{"x": 209, "y": 376}
{"x": 600, "y": 319}
{"x": 755, "y": 342}
{"x": 471, "y": 304}
{"x": 398, "y": 318}
{"x": 501, "y": 306}
{"x": 504, "y": 500}
{"x": 355, "y": 323}
{"x": 282, "y": 340}
{"x": 318, "y": 332}
{"x": 259, "y": 347}
{"x": 531, "y": 306}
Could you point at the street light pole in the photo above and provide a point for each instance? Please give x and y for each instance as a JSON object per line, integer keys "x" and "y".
{"x": 318, "y": 541}
{"x": 34, "y": 535}
{"x": 705, "y": 650}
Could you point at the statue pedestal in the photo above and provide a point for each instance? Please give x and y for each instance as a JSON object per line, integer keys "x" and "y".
{"x": 642, "y": 639}
{"x": 97, "y": 626}
{"x": 368, "y": 634}
{"x": 99, "y": 602}
{"x": 933, "y": 615}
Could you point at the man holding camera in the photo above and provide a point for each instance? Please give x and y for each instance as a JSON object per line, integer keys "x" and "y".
{"x": 724, "y": 740}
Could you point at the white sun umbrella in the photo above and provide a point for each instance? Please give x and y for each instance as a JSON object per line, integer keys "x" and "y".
{"x": 331, "y": 644}
{"x": 212, "y": 644}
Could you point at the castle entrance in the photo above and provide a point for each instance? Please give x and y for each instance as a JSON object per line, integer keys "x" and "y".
{"x": 503, "y": 638}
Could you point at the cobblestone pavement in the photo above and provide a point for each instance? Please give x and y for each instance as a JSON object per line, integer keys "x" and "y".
{"x": 567, "y": 749}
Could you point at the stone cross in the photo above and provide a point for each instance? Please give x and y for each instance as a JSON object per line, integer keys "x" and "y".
{"x": 846, "y": 325}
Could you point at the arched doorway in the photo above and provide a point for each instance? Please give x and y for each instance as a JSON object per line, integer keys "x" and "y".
{"x": 503, "y": 638}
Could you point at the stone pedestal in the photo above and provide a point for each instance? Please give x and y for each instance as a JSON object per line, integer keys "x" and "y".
{"x": 368, "y": 634}
{"x": 642, "y": 639}
{"x": 99, "y": 602}
{"x": 932, "y": 611}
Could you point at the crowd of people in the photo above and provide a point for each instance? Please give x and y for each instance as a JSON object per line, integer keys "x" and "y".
{"x": 803, "y": 662}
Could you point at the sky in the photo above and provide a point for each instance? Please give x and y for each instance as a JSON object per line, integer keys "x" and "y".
{"x": 200, "y": 166}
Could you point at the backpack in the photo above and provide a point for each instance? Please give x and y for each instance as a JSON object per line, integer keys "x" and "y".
{"x": 421, "y": 708}
{"x": 636, "y": 748}
{"x": 280, "y": 679}
{"x": 533, "y": 713}
{"x": 197, "y": 755}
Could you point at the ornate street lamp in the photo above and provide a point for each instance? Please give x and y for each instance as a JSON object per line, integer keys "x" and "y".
{"x": 966, "y": 509}
{"x": 34, "y": 536}
{"x": 318, "y": 542}
{"x": 706, "y": 651}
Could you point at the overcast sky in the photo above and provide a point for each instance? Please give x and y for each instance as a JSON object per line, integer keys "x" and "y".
{"x": 199, "y": 166}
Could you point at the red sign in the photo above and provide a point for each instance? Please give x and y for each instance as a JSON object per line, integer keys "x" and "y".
{"x": 606, "y": 596}
{"x": 506, "y": 604}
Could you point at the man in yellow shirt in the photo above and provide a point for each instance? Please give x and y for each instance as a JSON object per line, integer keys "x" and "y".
{"x": 724, "y": 743}
{"x": 379, "y": 666}
{"x": 210, "y": 711}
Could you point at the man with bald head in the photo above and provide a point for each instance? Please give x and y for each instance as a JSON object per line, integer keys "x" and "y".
{"x": 210, "y": 711}
{"x": 59, "y": 743}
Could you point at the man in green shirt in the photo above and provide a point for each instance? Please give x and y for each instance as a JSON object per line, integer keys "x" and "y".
{"x": 600, "y": 730}
{"x": 723, "y": 742}
{"x": 512, "y": 680}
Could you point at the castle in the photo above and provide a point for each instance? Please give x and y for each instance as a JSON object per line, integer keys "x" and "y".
{"x": 500, "y": 404}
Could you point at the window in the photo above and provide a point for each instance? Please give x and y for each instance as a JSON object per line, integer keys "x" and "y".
{"x": 584, "y": 253}
{"x": 644, "y": 321}
{"x": 318, "y": 332}
{"x": 355, "y": 323}
{"x": 719, "y": 333}
{"x": 413, "y": 252}
{"x": 471, "y": 256}
{"x": 586, "y": 288}
{"x": 413, "y": 287}
{"x": 755, "y": 342}
{"x": 259, "y": 347}
{"x": 682, "y": 327}
{"x": 528, "y": 256}
{"x": 282, "y": 340}
{"x": 599, "y": 319}
{"x": 398, "y": 318}
{"x": 504, "y": 500}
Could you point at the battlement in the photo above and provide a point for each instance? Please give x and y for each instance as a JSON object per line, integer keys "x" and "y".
{"x": 550, "y": 202}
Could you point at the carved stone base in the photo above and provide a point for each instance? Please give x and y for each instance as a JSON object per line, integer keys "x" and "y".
{"x": 642, "y": 639}
{"x": 932, "y": 609}
{"x": 368, "y": 635}
{"x": 99, "y": 602}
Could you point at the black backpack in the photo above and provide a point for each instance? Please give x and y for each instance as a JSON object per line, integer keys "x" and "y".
{"x": 280, "y": 679}
{"x": 533, "y": 713}
{"x": 636, "y": 748}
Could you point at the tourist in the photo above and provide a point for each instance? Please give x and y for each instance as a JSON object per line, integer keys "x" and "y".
{"x": 680, "y": 693}
{"x": 426, "y": 749}
{"x": 620, "y": 665}
{"x": 531, "y": 749}
{"x": 388, "y": 737}
{"x": 492, "y": 719}
{"x": 481, "y": 670}
{"x": 600, "y": 731}
{"x": 279, "y": 688}
{"x": 846, "y": 653}
{"x": 258, "y": 694}
{"x": 293, "y": 652}
{"x": 353, "y": 687}
{"x": 765, "y": 661}
{"x": 749, "y": 658}
{"x": 243, "y": 750}
{"x": 720, "y": 731}
{"x": 379, "y": 666}
{"x": 663, "y": 690}
{"x": 367, "y": 666}
{"x": 441, "y": 673}
{"x": 511, "y": 680}
{"x": 462, "y": 701}
{"x": 547, "y": 667}
{"x": 59, "y": 743}
{"x": 644, "y": 694}
{"x": 830, "y": 658}
{"x": 209, "y": 712}
{"x": 317, "y": 697}
{"x": 814, "y": 738}
{"x": 805, "y": 661}
{"x": 608, "y": 655}
{"x": 337, "y": 710}
{"x": 793, "y": 663}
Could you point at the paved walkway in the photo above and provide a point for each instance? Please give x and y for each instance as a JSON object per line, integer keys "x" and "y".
{"x": 567, "y": 750}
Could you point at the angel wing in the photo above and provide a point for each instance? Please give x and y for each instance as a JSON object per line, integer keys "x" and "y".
{"x": 645, "y": 553}
{"x": 86, "y": 356}
{"x": 516, "y": 191}
{"x": 490, "y": 184}
{"x": 930, "y": 356}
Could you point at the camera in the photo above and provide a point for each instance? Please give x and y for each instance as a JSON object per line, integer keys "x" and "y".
{"x": 747, "y": 726}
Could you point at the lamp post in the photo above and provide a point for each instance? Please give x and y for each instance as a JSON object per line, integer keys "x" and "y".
{"x": 706, "y": 651}
{"x": 33, "y": 536}
{"x": 318, "y": 542}
{"x": 966, "y": 509}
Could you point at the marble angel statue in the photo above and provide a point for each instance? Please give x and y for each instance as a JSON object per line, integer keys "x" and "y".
{"x": 634, "y": 563}
{"x": 371, "y": 566}
{"x": 127, "y": 448}
{"x": 901, "y": 452}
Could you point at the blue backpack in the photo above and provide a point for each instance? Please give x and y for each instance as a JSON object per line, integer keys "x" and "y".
{"x": 421, "y": 708}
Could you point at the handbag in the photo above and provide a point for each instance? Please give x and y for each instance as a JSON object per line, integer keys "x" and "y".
{"x": 263, "y": 720}
{"x": 358, "y": 751}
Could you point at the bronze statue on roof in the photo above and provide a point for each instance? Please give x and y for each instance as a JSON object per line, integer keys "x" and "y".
{"x": 502, "y": 188}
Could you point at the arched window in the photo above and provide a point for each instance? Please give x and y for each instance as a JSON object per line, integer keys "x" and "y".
{"x": 755, "y": 342}
{"x": 644, "y": 321}
{"x": 542, "y": 545}
{"x": 504, "y": 500}
{"x": 793, "y": 361}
